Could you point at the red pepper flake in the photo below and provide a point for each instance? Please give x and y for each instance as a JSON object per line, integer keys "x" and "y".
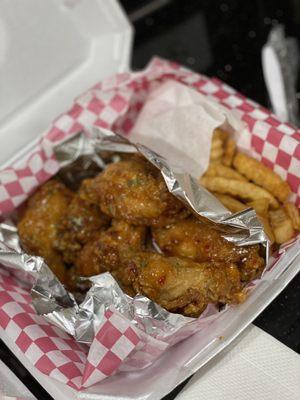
{"x": 207, "y": 247}
{"x": 162, "y": 280}
{"x": 132, "y": 267}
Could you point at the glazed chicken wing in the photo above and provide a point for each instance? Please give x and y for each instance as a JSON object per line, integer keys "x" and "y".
{"x": 88, "y": 191}
{"x": 181, "y": 285}
{"x": 134, "y": 190}
{"x": 38, "y": 226}
{"x": 83, "y": 221}
{"x": 105, "y": 252}
{"x": 200, "y": 242}
{"x": 251, "y": 265}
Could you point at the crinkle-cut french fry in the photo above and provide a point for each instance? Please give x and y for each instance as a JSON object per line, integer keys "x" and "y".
{"x": 281, "y": 225}
{"x": 216, "y": 143}
{"x": 229, "y": 152}
{"x": 220, "y": 134}
{"x": 257, "y": 172}
{"x": 226, "y": 172}
{"x": 293, "y": 212}
{"x": 244, "y": 190}
{"x": 267, "y": 228}
{"x": 216, "y": 154}
{"x": 261, "y": 206}
{"x": 230, "y": 202}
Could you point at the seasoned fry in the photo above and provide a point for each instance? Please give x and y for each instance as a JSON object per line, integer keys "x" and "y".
{"x": 261, "y": 206}
{"x": 216, "y": 154}
{"x": 226, "y": 172}
{"x": 229, "y": 152}
{"x": 267, "y": 228}
{"x": 230, "y": 202}
{"x": 293, "y": 212}
{"x": 282, "y": 225}
{"x": 262, "y": 176}
{"x": 216, "y": 143}
{"x": 244, "y": 190}
{"x": 220, "y": 134}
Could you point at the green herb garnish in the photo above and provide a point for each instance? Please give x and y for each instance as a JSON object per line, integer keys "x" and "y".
{"x": 143, "y": 263}
{"x": 112, "y": 209}
{"x": 134, "y": 182}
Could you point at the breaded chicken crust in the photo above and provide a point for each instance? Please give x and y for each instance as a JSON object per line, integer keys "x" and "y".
{"x": 38, "y": 226}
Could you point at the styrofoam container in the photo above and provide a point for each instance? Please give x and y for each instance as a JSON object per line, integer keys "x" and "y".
{"x": 43, "y": 69}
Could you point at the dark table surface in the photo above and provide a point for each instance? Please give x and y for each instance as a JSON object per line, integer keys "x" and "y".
{"x": 223, "y": 39}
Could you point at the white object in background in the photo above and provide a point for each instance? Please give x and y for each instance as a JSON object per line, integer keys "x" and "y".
{"x": 257, "y": 367}
{"x": 274, "y": 82}
{"x": 50, "y": 52}
{"x": 280, "y": 62}
{"x": 11, "y": 387}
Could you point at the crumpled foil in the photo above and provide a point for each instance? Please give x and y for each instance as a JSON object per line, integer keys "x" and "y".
{"x": 79, "y": 157}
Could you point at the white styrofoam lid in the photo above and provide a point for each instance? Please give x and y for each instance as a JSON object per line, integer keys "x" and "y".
{"x": 50, "y": 52}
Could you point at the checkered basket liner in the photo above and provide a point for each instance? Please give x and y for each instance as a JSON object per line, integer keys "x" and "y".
{"x": 114, "y": 103}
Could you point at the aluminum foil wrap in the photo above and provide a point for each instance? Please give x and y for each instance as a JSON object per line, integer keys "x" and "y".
{"x": 79, "y": 157}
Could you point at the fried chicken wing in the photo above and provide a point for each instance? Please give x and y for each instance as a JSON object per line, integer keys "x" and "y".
{"x": 200, "y": 242}
{"x": 179, "y": 284}
{"x": 38, "y": 227}
{"x": 105, "y": 252}
{"x": 134, "y": 190}
{"x": 251, "y": 265}
{"x": 103, "y": 227}
{"x": 88, "y": 191}
{"x": 83, "y": 220}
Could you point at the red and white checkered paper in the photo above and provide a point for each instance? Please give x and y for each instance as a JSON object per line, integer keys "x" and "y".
{"x": 114, "y": 104}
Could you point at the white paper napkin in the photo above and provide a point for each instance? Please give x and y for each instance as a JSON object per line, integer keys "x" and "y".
{"x": 11, "y": 387}
{"x": 178, "y": 123}
{"x": 257, "y": 367}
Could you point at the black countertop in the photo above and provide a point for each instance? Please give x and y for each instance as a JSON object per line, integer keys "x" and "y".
{"x": 223, "y": 39}
{"x": 218, "y": 38}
